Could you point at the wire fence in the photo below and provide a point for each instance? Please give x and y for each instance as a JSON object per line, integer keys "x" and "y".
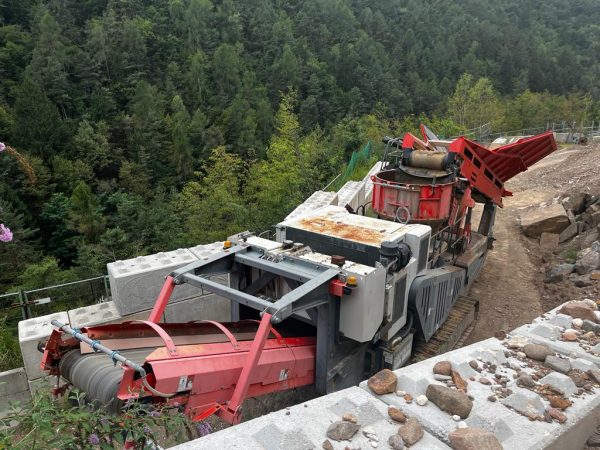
{"x": 574, "y": 130}
{"x": 26, "y": 304}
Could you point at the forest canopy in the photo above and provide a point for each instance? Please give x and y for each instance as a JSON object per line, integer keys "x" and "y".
{"x": 151, "y": 125}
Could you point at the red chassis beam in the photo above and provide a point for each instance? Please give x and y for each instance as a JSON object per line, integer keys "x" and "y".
{"x": 206, "y": 378}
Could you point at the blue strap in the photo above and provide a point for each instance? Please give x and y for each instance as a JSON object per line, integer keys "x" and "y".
{"x": 94, "y": 343}
{"x": 112, "y": 356}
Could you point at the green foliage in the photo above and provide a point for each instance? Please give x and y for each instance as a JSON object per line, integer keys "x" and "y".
{"x": 212, "y": 208}
{"x": 10, "y": 353}
{"x": 151, "y": 125}
{"x": 53, "y": 423}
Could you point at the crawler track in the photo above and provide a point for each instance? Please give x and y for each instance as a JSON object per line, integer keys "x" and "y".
{"x": 455, "y": 329}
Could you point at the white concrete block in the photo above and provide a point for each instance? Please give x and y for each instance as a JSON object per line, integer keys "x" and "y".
{"x": 352, "y": 193}
{"x": 512, "y": 429}
{"x": 317, "y": 200}
{"x": 31, "y": 331}
{"x": 136, "y": 283}
{"x": 12, "y": 382}
{"x": 304, "y": 426}
{"x": 206, "y": 307}
{"x": 204, "y": 251}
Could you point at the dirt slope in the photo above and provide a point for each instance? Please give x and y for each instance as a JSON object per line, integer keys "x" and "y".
{"x": 510, "y": 284}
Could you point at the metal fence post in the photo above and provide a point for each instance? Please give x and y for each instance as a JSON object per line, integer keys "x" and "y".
{"x": 24, "y": 307}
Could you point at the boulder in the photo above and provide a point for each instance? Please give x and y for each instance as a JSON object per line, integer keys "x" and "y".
{"x": 443, "y": 368}
{"x": 472, "y": 438}
{"x": 537, "y": 351}
{"x": 579, "y": 310}
{"x": 383, "y": 382}
{"x": 395, "y": 442}
{"x": 396, "y": 414}
{"x": 588, "y": 261}
{"x": 342, "y": 431}
{"x": 449, "y": 400}
{"x": 559, "y": 273}
{"x": 411, "y": 432}
{"x": 549, "y": 219}
{"x": 561, "y": 365}
{"x": 549, "y": 241}
{"x": 577, "y": 202}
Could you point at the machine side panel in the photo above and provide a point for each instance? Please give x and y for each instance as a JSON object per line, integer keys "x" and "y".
{"x": 432, "y": 296}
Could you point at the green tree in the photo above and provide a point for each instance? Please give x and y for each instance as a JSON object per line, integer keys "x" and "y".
{"x": 274, "y": 184}
{"x": 212, "y": 208}
{"x": 178, "y": 124}
{"x": 85, "y": 214}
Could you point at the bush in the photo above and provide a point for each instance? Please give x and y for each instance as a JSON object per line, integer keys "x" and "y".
{"x": 47, "y": 422}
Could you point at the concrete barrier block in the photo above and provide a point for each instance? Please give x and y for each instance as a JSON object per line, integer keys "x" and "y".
{"x": 547, "y": 330}
{"x": 105, "y": 314}
{"x": 513, "y": 429}
{"x": 204, "y": 251}
{"x": 206, "y": 307}
{"x": 136, "y": 283}
{"x": 317, "y": 200}
{"x": 352, "y": 193}
{"x": 31, "y": 331}
{"x": 100, "y": 313}
{"x": 13, "y": 381}
{"x": 305, "y": 426}
{"x": 14, "y": 390}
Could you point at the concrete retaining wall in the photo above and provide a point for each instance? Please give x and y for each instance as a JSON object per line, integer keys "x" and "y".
{"x": 500, "y": 404}
{"x": 14, "y": 389}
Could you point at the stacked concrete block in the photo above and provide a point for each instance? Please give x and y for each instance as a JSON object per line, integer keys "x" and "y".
{"x": 205, "y": 251}
{"x": 136, "y": 283}
{"x": 103, "y": 314}
{"x": 31, "y": 331}
{"x": 305, "y": 426}
{"x": 369, "y": 183}
{"x": 548, "y": 330}
{"x": 14, "y": 390}
{"x": 507, "y": 414}
{"x": 206, "y": 307}
{"x": 352, "y": 193}
{"x": 317, "y": 200}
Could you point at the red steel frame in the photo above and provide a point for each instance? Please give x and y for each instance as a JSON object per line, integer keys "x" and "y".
{"x": 210, "y": 378}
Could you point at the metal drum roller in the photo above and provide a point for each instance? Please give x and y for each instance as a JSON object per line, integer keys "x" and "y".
{"x": 98, "y": 376}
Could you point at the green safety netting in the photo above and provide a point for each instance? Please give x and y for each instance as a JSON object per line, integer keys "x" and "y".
{"x": 358, "y": 158}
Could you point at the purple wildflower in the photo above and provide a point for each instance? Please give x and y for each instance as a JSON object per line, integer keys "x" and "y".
{"x": 147, "y": 429}
{"x": 154, "y": 413}
{"x": 203, "y": 428}
{"x": 2, "y": 146}
{"x": 5, "y": 233}
{"x": 94, "y": 439}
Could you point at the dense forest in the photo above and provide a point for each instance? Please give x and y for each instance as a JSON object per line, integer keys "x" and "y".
{"x": 137, "y": 126}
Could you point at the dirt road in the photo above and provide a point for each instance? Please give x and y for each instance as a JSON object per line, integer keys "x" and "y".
{"x": 506, "y": 287}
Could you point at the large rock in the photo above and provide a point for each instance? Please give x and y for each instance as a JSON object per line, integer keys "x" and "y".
{"x": 561, "y": 365}
{"x": 577, "y": 202}
{"x": 411, "y": 432}
{"x": 471, "y": 438}
{"x": 579, "y": 310}
{"x": 383, "y": 382}
{"x": 549, "y": 241}
{"x": 559, "y": 273}
{"x": 588, "y": 261}
{"x": 550, "y": 219}
{"x": 527, "y": 403}
{"x": 450, "y": 400}
{"x": 537, "y": 351}
{"x": 342, "y": 431}
{"x": 442, "y": 368}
